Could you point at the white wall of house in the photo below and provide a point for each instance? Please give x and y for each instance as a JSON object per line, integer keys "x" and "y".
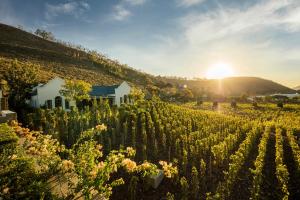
{"x": 121, "y": 91}
{"x": 48, "y": 92}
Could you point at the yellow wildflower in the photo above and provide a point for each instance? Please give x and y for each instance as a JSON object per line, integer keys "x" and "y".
{"x": 101, "y": 127}
{"x": 32, "y": 150}
{"x": 130, "y": 151}
{"x": 99, "y": 146}
{"x": 5, "y": 190}
{"x": 129, "y": 165}
{"x": 100, "y": 165}
{"x": 67, "y": 165}
{"x": 146, "y": 165}
{"x": 169, "y": 170}
{"x": 94, "y": 172}
{"x": 14, "y": 157}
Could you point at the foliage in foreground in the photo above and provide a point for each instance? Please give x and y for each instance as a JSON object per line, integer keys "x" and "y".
{"x": 34, "y": 165}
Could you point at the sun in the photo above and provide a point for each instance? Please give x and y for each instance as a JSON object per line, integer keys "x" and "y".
{"x": 219, "y": 70}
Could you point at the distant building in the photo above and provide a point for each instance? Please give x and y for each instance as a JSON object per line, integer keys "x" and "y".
{"x": 116, "y": 94}
{"x": 47, "y": 95}
{"x": 290, "y": 96}
{"x": 278, "y": 97}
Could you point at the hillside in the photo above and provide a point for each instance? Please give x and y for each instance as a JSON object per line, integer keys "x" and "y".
{"x": 235, "y": 86}
{"x": 297, "y": 88}
{"x": 58, "y": 59}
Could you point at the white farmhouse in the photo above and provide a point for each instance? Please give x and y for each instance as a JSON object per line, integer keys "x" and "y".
{"x": 48, "y": 95}
{"x": 116, "y": 94}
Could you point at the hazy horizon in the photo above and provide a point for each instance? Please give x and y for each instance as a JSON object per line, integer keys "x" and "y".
{"x": 185, "y": 38}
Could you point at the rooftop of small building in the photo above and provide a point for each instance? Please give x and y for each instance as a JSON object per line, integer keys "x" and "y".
{"x": 98, "y": 90}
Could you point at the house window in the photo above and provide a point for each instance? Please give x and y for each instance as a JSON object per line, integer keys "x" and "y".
{"x": 67, "y": 104}
{"x": 49, "y": 104}
{"x": 58, "y": 102}
{"x": 121, "y": 99}
{"x": 125, "y": 99}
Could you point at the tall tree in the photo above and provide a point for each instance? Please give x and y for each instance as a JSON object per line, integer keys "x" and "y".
{"x": 76, "y": 90}
{"x": 137, "y": 94}
{"x": 44, "y": 34}
{"x": 20, "y": 79}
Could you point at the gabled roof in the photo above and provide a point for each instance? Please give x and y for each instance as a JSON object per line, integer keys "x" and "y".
{"x": 40, "y": 85}
{"x": 103, "y": 90}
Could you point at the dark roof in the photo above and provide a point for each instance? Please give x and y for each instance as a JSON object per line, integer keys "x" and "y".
{"x": 103, "y": 90}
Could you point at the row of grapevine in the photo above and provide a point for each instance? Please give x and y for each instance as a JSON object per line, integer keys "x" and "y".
{"x": 236, "y": 162}
{"x": 158, "y": 131}
{"x": 295, "y": 148}
{"x": 223, "y": 150}
{"x": 259, "y": 164}
{"x": 67, "y": 125}
{"x": 202, "y": 144}
{"x": 282, "y": 173}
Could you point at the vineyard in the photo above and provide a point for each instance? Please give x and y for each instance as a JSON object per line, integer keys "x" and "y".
{"x": 239, "y": 153}
{"x": 78, "y": 125}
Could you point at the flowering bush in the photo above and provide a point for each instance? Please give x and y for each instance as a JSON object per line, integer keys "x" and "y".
{"x": 169, "y": 170}
{"x": 94, "y": 173}
{"x": 25, "y": 169}
{"x": 101, "y": 127}
{"x": 39, "y": 166}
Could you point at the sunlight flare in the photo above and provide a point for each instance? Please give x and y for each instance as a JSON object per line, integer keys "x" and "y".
{"x": 219, "y": 70}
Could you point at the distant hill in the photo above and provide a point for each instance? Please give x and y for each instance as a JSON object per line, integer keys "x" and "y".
{"x": 235, "y": 86}
{"x": 69, "y": 61}
{"x": 297, "y": 88}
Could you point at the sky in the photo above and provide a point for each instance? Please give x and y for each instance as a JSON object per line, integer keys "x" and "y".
{"x": 175, "y": 37}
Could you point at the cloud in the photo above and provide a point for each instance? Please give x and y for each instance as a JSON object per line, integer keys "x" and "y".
{"x": 135, "y": 2}
{"x": 122, "y": 10}
{"x": 255, "y": 39}
{"x": 240, "y": 34}
{"x": 72, "y": 8}
{"x": 120, "y": 13}
{"x": 188, "y": 3}
{"x": 224, "y": 22}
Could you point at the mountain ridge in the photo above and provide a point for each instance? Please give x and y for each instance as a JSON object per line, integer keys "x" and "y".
{"x": 297, "y": 88}
{"x": 57, "y": 59}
